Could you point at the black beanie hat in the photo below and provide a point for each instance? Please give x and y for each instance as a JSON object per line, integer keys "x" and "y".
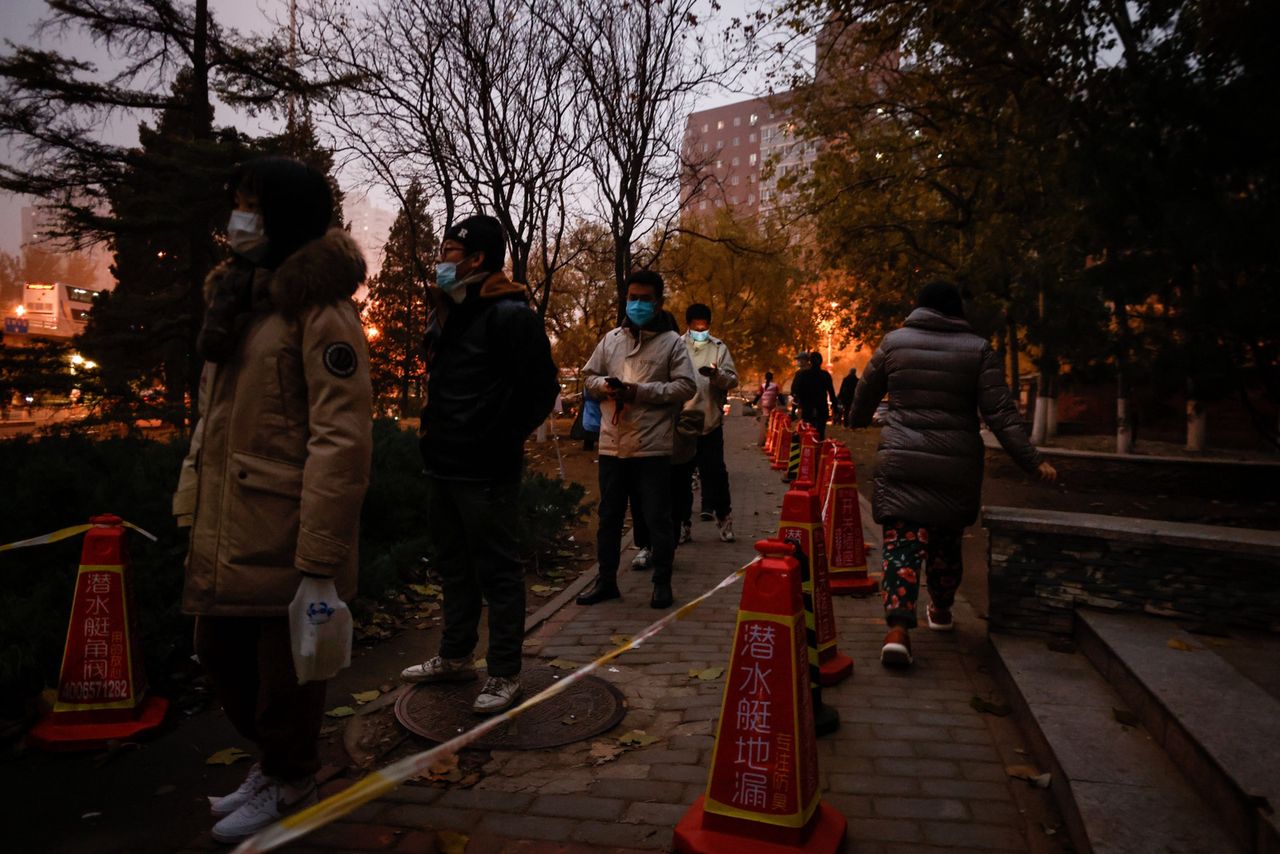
{"x": 697, "y": 311}
{"x": 942, "y": 297}
{"x": 481, "y": 233}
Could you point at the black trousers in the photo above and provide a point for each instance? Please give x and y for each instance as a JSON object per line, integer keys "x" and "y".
{"x": 649, "y": 480}
{"x": 817, "y": 418}
{"x": 251, "y": 663}
{"x": 681, "y": 505}
{"x": 473, "y": 529}
{"x": 715, "y": 477}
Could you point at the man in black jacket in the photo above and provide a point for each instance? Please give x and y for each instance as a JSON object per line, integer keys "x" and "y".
{"x": 811, "y": 389}
{"x": 491, "y": 382}
{"x": 939, "y": 377}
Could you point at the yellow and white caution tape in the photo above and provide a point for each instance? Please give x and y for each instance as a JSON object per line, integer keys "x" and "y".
{"x": 378, "y": 783}
{"x": 66, "y": 533}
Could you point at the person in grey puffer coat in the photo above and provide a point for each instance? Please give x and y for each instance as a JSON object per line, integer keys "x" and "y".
{"x": 940, "y": 377}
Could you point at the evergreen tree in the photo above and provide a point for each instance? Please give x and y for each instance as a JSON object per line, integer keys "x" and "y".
{"x": 395, "y": 310}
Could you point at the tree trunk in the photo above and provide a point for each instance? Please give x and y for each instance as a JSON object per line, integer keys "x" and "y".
{"x": 1124, "y": 424}
{"x": 199, "y": 254}
{"x": 1051, "y": 413}
{"x": 1046, "y": 402}
{"x": 1015, "y": 376}
{"x": 1197, "y": 419}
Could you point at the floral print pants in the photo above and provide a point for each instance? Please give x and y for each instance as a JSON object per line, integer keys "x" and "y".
{"x": 912, "y": 550}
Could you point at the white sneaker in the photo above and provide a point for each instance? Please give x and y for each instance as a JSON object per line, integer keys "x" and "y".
{"x": 686, "y": 533}
{"x": 441, "y": 670}
{"x": 641, "y": 560}
{"x": 726, "y": 528}
{"x": 227, "y": 804}
{"x": 272, "y": 802}
{"x": 498, "y": 695}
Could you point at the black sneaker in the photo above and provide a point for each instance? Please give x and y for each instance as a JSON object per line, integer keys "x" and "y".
{"x": 662, "y": 595}
{"x": 706, "y": 516}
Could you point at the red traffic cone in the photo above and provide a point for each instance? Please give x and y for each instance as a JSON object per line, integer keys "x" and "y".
{"x": 844, "y": 533}
{"x": 771, "y": 440}
{"x": 762, "y": 796}
{"x": 102, "y": 687}
{"x": 782, "y": 447}
{"x": 825, "y": 470}
{"x": 810, "y": 449}
{"x": 802, "y": 524}
{"x": 796, "y": 452}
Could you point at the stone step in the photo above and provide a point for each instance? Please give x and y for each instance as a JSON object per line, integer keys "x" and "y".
{"x": 1119, "y": 793}
{"x": 1218, "y": 726}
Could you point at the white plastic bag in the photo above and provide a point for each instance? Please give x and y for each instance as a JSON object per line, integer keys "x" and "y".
{"x": 319, "y": 630}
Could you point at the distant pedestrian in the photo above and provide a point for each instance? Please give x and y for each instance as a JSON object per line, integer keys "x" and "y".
{"x": 848, "y": 386}
{"x": 939, "y": 376}
{"x": 812, "y": 388}
{"x": 277, "y": 471}
{"x": 767, "y": 399}
{"x": 642, "y": 374}
{"x": 716, "y": 375}
{"x": 491, "y": 382}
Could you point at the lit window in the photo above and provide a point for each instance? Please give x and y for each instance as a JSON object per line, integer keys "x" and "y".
{"x": 733, "y": 200}
{"x": 751, "y": 199}
{"x": 704, "y": 148}
{"x": 719, "y": 164}
{"x": 702, "y": 206}
{"x": 752, "y": 160}
{"x": 720, "y": 125}
{"x": 754, "y": 119}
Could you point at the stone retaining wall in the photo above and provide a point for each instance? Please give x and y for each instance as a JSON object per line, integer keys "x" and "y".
{"x": 1043, "y": 564}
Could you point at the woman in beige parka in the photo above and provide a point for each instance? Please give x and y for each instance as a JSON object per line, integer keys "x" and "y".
{"x": 277, "y": 471}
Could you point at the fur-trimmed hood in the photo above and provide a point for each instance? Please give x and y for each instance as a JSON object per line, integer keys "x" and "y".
{"x": 324, "y": 271}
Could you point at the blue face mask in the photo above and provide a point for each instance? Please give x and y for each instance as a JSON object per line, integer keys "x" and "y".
{"x": 447, "y": 275}
{"x": 702, "y": 336}
{"x": 640, "y": 312}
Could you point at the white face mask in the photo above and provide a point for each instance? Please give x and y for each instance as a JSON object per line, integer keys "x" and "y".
{"x": 244, "y": 233}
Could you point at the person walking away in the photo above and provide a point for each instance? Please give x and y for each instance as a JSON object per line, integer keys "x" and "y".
{"x": 767, "y": 399}
{"x": 491, "y": 381}
{"x": 939, "y": 376}
{"x": 848, "y": 387}
{"x": 276, "y": 473}
{"x": 812, "y": 388}
{"x": 642, "y": 374}
{"x": 716, "y": 376}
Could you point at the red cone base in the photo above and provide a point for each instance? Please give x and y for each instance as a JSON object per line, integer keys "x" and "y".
{"x": 826, "y": 835}
{"x": 835, "y": 670}
{"x": 52, "y": 734}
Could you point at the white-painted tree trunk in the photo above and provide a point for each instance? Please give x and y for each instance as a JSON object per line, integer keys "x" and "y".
{"x": 1039, "y": 420}
{"x": 1197, "y": 424}
{"x": 1124, "y": 434}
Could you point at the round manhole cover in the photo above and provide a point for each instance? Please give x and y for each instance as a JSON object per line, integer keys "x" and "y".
{"x": 587, "y": 708}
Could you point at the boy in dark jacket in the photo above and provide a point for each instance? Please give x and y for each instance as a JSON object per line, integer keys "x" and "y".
{"x": 939, "y": 375}
{"x": 491, "y": 382}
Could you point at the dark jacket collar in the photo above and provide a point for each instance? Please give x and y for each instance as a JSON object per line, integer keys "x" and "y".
{"x": 936, "y": 321}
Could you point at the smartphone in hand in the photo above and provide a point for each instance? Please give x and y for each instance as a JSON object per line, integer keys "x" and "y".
{"x": 613, "y": 383}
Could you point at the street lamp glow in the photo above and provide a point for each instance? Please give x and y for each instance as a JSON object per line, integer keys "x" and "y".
{"x": 77, "y": 359}
{"x": 20, "y": 310}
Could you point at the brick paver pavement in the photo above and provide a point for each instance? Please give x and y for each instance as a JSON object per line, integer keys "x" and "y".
{"x": 913, "y": 767}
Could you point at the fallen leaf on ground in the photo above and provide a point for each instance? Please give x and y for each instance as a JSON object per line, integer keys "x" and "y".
{"x": 340, "y": 712}
{"x": 978, "y": 704}
{"x": 543, "y": 590}
{"x": 619, "y": 640}
{"x": 226, "y": 756}
{"x": 563, "y": 664}
{"x": 602, "y": 752}
{"x": 1125, "y": 717}
{"x": 1180, "y": 645}
{"x": 367, "y": 696}
{"x": 711, "y": 674}
{"x": 449, "y": 842}
{"x": 425, "y": 589}
{"x": 637, "y": 738}
{"x": 1050, "y": 829}
{"x": 1041, "y": 781}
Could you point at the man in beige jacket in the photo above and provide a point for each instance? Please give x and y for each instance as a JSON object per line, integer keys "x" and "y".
{"x": 642, "y": 373}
